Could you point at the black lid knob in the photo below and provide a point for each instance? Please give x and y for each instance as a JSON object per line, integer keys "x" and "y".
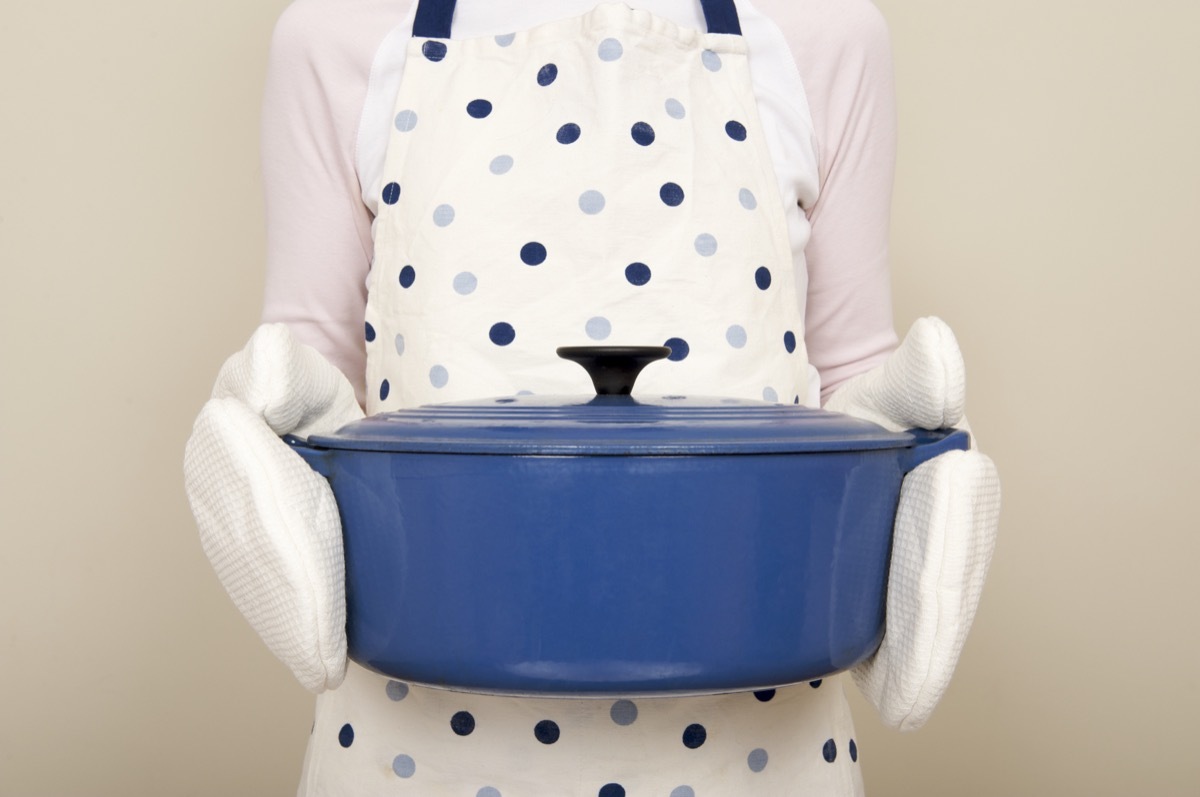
{"x": 613, "y": 369}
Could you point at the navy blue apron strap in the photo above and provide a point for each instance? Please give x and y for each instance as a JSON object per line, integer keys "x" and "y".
{"x": 434, "y": 18}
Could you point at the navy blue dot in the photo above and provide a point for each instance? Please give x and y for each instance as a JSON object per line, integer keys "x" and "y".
{"x": 817, "y": 683}
{"x": 434, "y": 51}
{"x": 679, "y": 349}
{"x": 736, "y": 130}
{"x": 789, "y": 343}
{"x": 762, "y": 278}
{"x": 568, "y": 133}
{"x": 384, "y": 389}
{"x": 694, "y": 736}
{"x": 546, "y": 731}
{"x": 671, "y": 194}
{"x": 370, "y": 331}
{"x": 346, "y": 735}
{"x": 829, "y": 751}
{"x": 612, "y": 790}
{"x": 533, "y": 254}
{"x": 502, "y": 334}
{"x": 391, "y": 193}
{"x": 853, "y": 751}
{"x": 408, "y": 275}
{"x": 796, "y": 400}
{"x": 547, "y": 74}
{"x": 462, "y": 723}
{"x": 637, "y": 273}
{"x": 479, "y": 108}
{"x": 764, "y": 695}
{"x": 642, "y": 133}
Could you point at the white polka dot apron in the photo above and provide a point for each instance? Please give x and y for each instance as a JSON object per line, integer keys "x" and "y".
{"x": 602, "y": 179}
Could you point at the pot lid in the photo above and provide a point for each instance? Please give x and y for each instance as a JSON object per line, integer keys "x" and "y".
{"x": 612, "y": 422}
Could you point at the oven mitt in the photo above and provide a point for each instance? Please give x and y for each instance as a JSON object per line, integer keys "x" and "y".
{"x": 268, "y": 523}
{"x": 945, "y": 528}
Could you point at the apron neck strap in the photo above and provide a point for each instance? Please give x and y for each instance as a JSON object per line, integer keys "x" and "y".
{"x": 434, "y": 18}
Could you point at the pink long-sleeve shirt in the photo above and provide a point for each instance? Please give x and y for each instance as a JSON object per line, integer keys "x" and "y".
{"x": 322, "y": 141}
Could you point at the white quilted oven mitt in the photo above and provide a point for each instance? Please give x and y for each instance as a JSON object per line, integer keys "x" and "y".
{"x": 268, "y": 523}
{"x": 945, "y": 529}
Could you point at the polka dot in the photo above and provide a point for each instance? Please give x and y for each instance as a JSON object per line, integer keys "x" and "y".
{"x": 762, "y": 278}
{"x": 747, "y": 200}
{"x": 568, "y": 133}
{"x": 439, "y": 376}
{"x": 408, "y": 275}
{"x": 736, "y": 336}
{"x": 706, "y": 245}
{"x": 391, "y": 193}
{"x": 400, "y": 350}
{"x": 623, "y": 712}
{"x": 711, "y": 61}
{"x": 675, "y": 109}
{"x": 384, "y": 389}
{"x": 480, "y": 109}
{"x": 505, "y": 39}
{"x": 671, "y": 194}
{"x": 612, "y": 790}
{"x": 637, "y": 273}
{"x": 434, "y": 51}
{"x": 501, "y": 164}
{"x": 694, "y": 735}
{"x": 488, "y": 791}
{"x": 406, "y": 120}
{"x": 610, "y": 50}
{"x": 465, "y": 283}
{"x": 757, "y": 760}
{"x": 642, "y": 133}
{"x": 346, "y": 735}
{"x": 796, "y": 400}
{"x": 546, "y": 731}
{"x": 533, "y": 254}
{"x": 369, "y": 332}
{"x": 683, "y": 791}
{"x": 462, "y": 723}
{"x": 443, "y": 215}
{"x": 404, "y": 766}
{"x": 547, "y": 74}
{"x": 396, "y": 690}
{"x": 853, "y": 751}
{"x": 764, "y": 695}
{"x": 735, "y": 130}
{"x": 598, "y": 328}
{"x": 829, "y": 751}
{"x": 591, "y": 202}
{"x": 502, "y": 334}
{"x": 817, "y": 683}
{"x": 770, "y": 395}
{"x": 789, "y": 343}
{"x": 679, "y": 349}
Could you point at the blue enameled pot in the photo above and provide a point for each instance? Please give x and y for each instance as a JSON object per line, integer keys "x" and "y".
{"x": 606, "y": 544}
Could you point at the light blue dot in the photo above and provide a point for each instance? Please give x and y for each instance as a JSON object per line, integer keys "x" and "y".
{"x": 757, "y": 760}
{"x": 736, "y": 335}
{"x": 406, "y": 120}
{"x": 598, "y": 328}
{"x": 465, "y": 283}
{"x": 683, "y": 791}
{"x": 488, "y": 791}
{"x": 706, "y": 245}
{"x": 396, "y": 690}
{"x": 746, "y": 197}
{"x": 404, "y": 766}
{"x": 591, "y": 202}
{"x": 399, "y": 344}
{"x": 610, "y": 50}
{"x": 501, "y": 164}
{"x": 505, "y": 39}
{"x": 712, "y": 61}
{"x": 623, "y": 712}
{"x": 443, "y": 215}
{"x": 770, "y": 395}
{"x": 439, "y": 376}
{"x": 675, "y": 109}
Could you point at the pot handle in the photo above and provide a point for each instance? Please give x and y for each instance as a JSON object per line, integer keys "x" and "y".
{"x": 613, "y": 369}
{"x": 317, "y": 458}
{"x": 931, "y": 443}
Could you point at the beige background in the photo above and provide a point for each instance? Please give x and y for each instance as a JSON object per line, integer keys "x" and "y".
{"x": 1047, "y": 205}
